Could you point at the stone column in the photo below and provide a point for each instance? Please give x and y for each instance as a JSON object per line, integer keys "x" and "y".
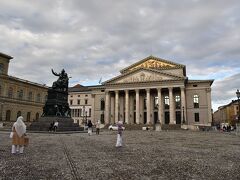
{"x": 183, "y": 104}
{"x": 160, "y": 108}
{"x": 107, "y": 108}
{"x": 126, "y": 106}
{"x": 171, "y": 106}
{"x": 116, "y": 106}
{"x": 93, "y": 119}
{"x": 209, "y": 101}
{"x": 112, "y": 110}
{"x": 137, "y": 106}
{"x": 148, "y": 107}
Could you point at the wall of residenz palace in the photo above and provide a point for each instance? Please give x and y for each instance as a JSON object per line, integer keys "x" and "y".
{"x": 19, "y": 96}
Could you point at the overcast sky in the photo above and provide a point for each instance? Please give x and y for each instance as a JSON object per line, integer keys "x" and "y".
{"x": 93, "y": 39}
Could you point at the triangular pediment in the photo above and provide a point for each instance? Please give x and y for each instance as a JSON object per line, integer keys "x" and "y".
{"x": 152, "y": 62}
{"x": 143, "y": 75}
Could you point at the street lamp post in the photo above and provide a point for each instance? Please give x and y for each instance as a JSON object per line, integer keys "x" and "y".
{"x": 238, "y": 96}
{"x": 183, "y": 115}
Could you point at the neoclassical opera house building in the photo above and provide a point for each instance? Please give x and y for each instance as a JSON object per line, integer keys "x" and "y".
{"x": 148, "y": 91}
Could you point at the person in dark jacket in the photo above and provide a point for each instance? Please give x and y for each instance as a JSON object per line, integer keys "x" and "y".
{"x": 89, "y": 127}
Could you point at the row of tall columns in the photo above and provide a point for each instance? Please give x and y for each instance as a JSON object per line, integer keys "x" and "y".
{"x": 115, "y": 106}
{"x": 183, "y": 105}
{"x": 171, "y": 106}
{"x": 127, "y": 106}
{"x": 148, "y": 106}
{"x": 160, "y": 106}
{"x": 107, "y": 103}
{"x": 137, "y": 107}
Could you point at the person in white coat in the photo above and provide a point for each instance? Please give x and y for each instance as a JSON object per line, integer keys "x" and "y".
{"x": 19, "y": 131}
{"x": 119, "y": 134}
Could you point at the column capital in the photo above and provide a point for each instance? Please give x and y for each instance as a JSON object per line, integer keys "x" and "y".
{"x": 159, "y": 89}
{"x": 148, "y": 89}
{"x": 116, "y": 91}
{"x": 136, "y": 90}
{"x": 170, "y": 88}
{"x": 126, "y": 90}
{"x": 182, "y": 88}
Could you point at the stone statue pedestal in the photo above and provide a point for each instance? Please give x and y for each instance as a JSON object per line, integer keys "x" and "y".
{"x": 64, "y": 124}
{"x": 56, "y": 104}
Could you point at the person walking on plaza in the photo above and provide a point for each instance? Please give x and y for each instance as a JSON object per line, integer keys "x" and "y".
{"x": 89, "y": 127}
{"x": 55, "y": 126}
{"x": 50, "y": 129}
{"x": 19, "y": 131}
{"x": 119, "y": 134}
{"x": 98, "y": 127}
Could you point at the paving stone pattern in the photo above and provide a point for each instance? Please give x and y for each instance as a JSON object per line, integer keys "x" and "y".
{"x": 145, "y": 155}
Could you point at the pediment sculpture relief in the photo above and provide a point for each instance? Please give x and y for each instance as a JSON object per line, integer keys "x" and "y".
{"x": 153, "y": 64}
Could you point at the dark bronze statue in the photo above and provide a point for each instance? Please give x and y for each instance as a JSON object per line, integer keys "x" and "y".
{"x": 57, "y": 102}
{"x": 62, "y": 82}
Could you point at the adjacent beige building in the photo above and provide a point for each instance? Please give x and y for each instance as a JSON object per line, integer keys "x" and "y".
{"x": 19, "y": 96}
{"x": 227, "y": 113}
{"x": 150, "y": 90}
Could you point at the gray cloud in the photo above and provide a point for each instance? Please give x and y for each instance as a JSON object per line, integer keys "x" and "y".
{"x": 92, "y": 39}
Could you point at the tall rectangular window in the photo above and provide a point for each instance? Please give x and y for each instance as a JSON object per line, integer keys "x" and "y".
{"x": 20, "y": 94}
{"x": 155, "y": 105}
{"x": 30, "y": 94}
{"x": 86, "y": 101}
{"x": 10, "y": 92}
{"x": 166, "y": 102}
{"x": 71, "y": 102}
{"x": 1, "y": 68}
{"x": 38, "y": 98}
{"x": 78, "y": 102}
{"x": 196, "y": 101}
{"x": 178, "y": 102}
{"x": 102, "y": 105}
{"x": 196, "y": 117}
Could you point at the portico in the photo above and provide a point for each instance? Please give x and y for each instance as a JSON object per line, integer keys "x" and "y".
{"x": 145, "y": 105}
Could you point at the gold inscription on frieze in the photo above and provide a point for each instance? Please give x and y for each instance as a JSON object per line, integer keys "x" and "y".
{"x": 143, "y": 78}
{"x": 153, "y": 64}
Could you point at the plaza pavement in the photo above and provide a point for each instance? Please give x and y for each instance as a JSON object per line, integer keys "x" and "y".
{"x": 145, "y": 155}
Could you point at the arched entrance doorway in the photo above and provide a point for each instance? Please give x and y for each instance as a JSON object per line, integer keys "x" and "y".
{"x": 28, "y": 116}
{"x": 8, "y": 115}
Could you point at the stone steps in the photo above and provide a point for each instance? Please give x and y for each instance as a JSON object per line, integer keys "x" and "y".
{"x": 64, "y": 124}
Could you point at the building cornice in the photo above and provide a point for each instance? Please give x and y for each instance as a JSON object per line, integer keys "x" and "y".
{"x": 12, "y": 78}
{"x": 5, "y": 56}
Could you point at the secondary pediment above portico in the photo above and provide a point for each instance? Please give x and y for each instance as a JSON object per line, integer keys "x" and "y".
{"x": 152, "y": 62}
{"x": 143, "y": 75}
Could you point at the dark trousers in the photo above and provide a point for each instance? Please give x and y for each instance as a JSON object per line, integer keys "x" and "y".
{"x": 97, "y": 130}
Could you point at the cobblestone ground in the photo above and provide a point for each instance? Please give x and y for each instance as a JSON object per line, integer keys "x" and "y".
{"x": 145, "y": 155}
